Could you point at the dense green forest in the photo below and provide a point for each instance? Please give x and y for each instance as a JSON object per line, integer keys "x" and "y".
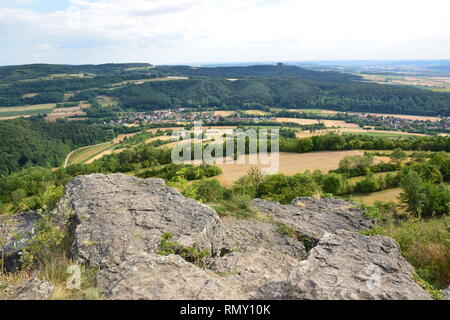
{"x": 33, "y": 71}
{"x": 38, "y": 143}
{"x": 285, "y": 93}
{"x": 266, "y": 71}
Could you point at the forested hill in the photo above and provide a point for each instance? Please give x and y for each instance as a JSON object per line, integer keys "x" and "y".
{"x": 33, "y": 71}
{"x": 267, "y": 71}
{"x": 283, "y": 93}
{"x": 280, "y": 86}
{"x": 41, "y": 143}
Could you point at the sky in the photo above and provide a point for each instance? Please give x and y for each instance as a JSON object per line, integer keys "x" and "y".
{"x": 221, "y": 31}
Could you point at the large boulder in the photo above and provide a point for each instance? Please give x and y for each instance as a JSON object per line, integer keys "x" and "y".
{"x": 311, "y": 217}
{"x": 115, "y": 217}
{"x": 346, "y": 265}
{"x": 154, "y": 277}
{"x": 31, "y": 289}
{"x": 15, "y": 233}
{"x": 259, "y": 257}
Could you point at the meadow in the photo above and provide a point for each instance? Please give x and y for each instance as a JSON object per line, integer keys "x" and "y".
{"x": 11, "y": 112}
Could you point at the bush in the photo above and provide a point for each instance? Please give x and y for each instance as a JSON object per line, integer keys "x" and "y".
{"x": 332, "y": 183}
{"x": 208, "y": 191}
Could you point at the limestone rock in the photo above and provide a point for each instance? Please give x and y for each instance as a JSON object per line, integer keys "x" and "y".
{"x": 259, "y": 258}
{"x": 117, "y": 216}
{"x": 347, "y": 265}
{"x": 32, "y": 289}
{"x": 312, "y": 217}
{"x": 15, "y": 232}
{"x": 153, "y": 277}
{"x": 243, "y": 235}
{"x": 260, "y": 273}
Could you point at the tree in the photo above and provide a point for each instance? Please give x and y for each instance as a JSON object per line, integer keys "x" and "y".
{"x": 413, "y": 195}
{"x": 398, "y": 155}
{"x": 332, "y": 183}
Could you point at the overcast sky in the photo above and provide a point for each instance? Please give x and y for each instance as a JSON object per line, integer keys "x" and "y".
{"x": 205, "y": 31}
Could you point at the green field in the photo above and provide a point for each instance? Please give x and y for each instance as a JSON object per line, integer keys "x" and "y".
{"x": 27, "y": 110}
{"x": 84, "y": 154}
{"x": 379, "y": 134}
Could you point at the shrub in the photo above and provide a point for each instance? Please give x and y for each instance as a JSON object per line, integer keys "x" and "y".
{"x": 190, "y": 254}
{"x": 208, "y": 191}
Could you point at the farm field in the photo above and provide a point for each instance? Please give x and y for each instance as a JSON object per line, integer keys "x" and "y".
{"x": 223, "y": 113}
{"x": 400, "y": 116}
{"x": 256, "y": 112}
{"x": 387, "y": 195}
{"x": 290, "y": 163}
{"x": 142, "y": 81}
{"x": 63, "y": 113}
{"x": 84, "y": 154}
{"x": 322, "y": 111}
{"x": 327, "y": 123}
{"x": 377, "y": 133}
{"x": 26, "y": 110}
{"x": 426, "y": 82}
{"x": 379, "y": 174}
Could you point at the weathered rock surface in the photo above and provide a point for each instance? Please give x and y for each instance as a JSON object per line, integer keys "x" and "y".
{"x": 347, "y": 265}
{"x": 312, "y": 218}
{"x": 259, "y": 258}
{"x": 32, "y": 289}
{"x": 260, "y": 273}
{"x": 153, "y": 277}
{"x": 118, "y": 216}
{"x": 244, "y": 235}
{"x": 15, "y": 232}
{"x": 446, "y": 293}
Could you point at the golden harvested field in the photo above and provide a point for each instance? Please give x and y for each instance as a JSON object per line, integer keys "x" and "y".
{"x": 327, "y": 123}
{"x": 384, "y": 195}
{"x": 400, "y": 116}
{"x": 290, "y": 163}
{"x": 305, "y": 134}
{"x": 224, "y": 113}
{"x": 29, "y": 95}
{"x": 62, "y": 113}
{"x": 256, "y": 112}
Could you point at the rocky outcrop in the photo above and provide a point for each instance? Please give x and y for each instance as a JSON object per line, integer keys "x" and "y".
{"x": 347, "y": 265}
{"x": 32, "y": 289}
{"x": 153, "y": 277}
{"x": 312, "y": 218}
{"x": 310, "y": 249}
{"x": 15, "y": 233}
{"x": 116, "y": 217}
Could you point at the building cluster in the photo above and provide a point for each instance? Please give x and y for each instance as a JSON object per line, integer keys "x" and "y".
{"x": 395, "y": 123}
{"x": 181, "y": 116}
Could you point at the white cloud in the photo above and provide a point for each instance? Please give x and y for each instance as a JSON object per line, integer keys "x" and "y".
{"x": 174, "y": 31}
